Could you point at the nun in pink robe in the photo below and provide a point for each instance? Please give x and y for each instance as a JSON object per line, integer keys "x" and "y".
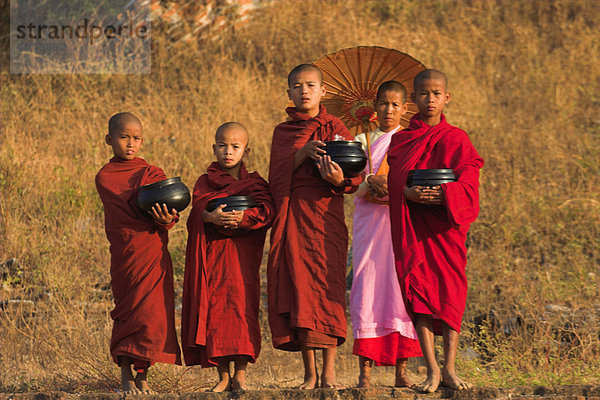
{"x": 383, "y": 331}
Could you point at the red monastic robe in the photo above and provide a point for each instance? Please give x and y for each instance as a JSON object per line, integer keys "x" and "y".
{"x": 141, "y": 270}
{"x": 221, "y": 288}
{"x": 309, "y": 240}
{"x": 429, "y": 240}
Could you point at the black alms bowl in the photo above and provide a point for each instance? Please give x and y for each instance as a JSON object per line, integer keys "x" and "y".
{"x": 171, "y": 192}
{"x": 429, "y": 182}
{"x": 237, "y": 203}
{"x": 430, "y": 177}
{"x": 424, "y": 173}
{"x": 348, "y": 154}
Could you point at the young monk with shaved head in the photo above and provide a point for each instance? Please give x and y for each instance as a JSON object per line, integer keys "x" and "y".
{"x": 429, "y": 225}
{"x": 307, "y": 260}
{"x": 221, "y": 288}
{"x": 140, "y": 267}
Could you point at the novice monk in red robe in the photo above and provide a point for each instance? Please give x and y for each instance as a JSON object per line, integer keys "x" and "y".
{"x": 221, "y": 289}
{"x": 140, "y": 269}
{"x": 307, "y": 259}
{"x": 429, "y": 225}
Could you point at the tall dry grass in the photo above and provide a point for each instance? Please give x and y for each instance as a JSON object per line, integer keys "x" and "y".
{"x": 525, "y": 81}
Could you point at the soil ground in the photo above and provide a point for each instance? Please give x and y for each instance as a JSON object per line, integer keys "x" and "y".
{"x": 572, "y": 392}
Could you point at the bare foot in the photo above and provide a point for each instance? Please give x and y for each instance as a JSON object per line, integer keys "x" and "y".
{"x": 431, "y": 383}
{"x": 310, "y": 382}
{"x": 223, "y": 369}
{"x": 127, "y": 381}
{"x": 329, "y": 382}
{"x": 311, "y": 379}
{"x": 129, "y": 387}
{"x": 141, "y": 382}
{"x": 335, "y": 386}
{"x": 223, "y": 385}
{"x": 452, "y": 381}
{"x": 401, "y": 374}
{"x": 328, "y": 379}
{"x": 239, "y": 381}
{"x": 364, "y": 378}
{"x": 237, "y": 385}
{"x": 220, "y": 387}
{"x": 144, "y": 388}
{"x": 403, "y": 381}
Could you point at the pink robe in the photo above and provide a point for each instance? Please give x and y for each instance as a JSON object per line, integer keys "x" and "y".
{"x": 376, "y": 305}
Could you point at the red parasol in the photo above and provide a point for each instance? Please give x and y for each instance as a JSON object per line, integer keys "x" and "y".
{"x": 352, "y": 76}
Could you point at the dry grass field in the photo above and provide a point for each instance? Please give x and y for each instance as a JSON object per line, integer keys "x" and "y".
{"x": 525, "y": 80}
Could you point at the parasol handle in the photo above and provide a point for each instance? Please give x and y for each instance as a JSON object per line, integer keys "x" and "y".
{"x": 366, "y": 127}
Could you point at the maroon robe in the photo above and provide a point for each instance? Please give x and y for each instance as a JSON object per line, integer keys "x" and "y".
{"x": 221, "y": 288}
{"x": 141, "y": 270}
{"x": 309, "y": 240}
{"x": 429, "y": 240}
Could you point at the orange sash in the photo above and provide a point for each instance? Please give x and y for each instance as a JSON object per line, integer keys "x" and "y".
{"x": 384, "y": 168}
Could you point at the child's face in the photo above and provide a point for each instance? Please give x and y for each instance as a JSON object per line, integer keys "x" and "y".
{"x": 431, "y": 97}
{"x": 126, "y": 141}
{"x": 230, "y": 148}
{"x": 306, "y": 91}
{"x": 390, "y": 108}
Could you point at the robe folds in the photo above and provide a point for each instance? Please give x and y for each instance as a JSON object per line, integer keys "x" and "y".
{"x": 382, "y": 328}
{"x": 141, "y": 270}
{"x": 307, "y": 259}
{"x": 221, "y": 288}
{"x": 429, "y": 240}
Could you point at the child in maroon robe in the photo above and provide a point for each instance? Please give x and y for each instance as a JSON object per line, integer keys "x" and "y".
{"x": 141, "y": 270}
{"x": 221, "y": 290}
{"x": 429, "y": 225}
{"x": 307, "y": 260}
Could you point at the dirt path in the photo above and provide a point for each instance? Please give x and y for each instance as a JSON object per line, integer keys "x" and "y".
{"x": 573, "y": 392}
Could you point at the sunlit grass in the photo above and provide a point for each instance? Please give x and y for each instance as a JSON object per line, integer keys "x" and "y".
{"x": 525, "y": 84}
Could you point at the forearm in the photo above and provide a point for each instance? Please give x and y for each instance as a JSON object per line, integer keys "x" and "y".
{"x": 165, "y": 226}
{"x": 207, "y": 217}
{"x": 299, "y": 158}
{"x": 363, "y": 188}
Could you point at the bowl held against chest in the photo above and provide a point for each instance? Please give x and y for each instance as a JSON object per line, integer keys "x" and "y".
{"x": 430, "y": 177}
{"x": 171, "y": 192}
{"x": 348, "y": 154}
{"x": 237, "y": 203}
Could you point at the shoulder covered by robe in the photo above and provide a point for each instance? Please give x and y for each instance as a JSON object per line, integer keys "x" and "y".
{"x": 221, "y": 291}
{"x": 429, "y": 241}
{"x": 141, "y": 269}
{"x": 307, "y": 260}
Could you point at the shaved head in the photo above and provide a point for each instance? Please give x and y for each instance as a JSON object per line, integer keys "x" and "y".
{"x": 229, "y": 126}
{"x": 391, "y": 86}
{"x": 302, "y": 68}
{"x": 118, "y": 121}
{"x": 430, "y": 74}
